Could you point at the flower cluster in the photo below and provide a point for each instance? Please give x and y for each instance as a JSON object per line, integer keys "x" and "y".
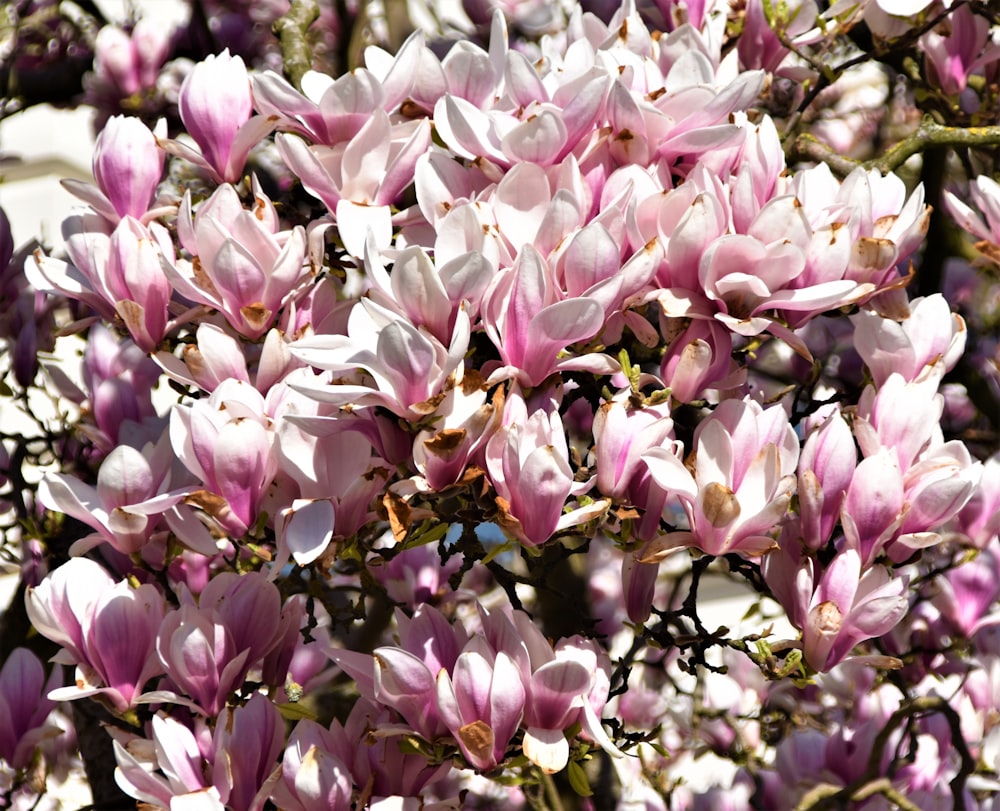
{"x": 418, "y": 403}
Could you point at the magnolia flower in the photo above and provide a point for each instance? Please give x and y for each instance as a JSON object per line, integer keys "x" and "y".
{"x": 958, "y": 48}
{"x": 742, "y": 482}
{"x": 848, "y": 607}
{"x": 125, "y": 505}
{"x": 127, "y": 165}
{"x": 328, "y": 111}
{"x": 126, "y": 64}
{"x": 426, "y": 296}
{"x": 825, "y": 472}
{"x": 968, "y": 594}
{"x": 358, "y": 182}
{"x": 621, "y": 435}
{"x": 178, "y": 757}
{"x": 119, "y": 381}
{"x": 226, "y": 442}
{"x": 528, "y": 462}
{"x": 979, "y": 519}
{"x": 982, "y": 221}
{"x": 248, "y": 741}
{"x": 404, "y": 677}
{"x": 408, "y": 368}
{"x": 481, "y": 703}
{"x": 315, "y": 770}
{"x": 117, "y": 273}
{"x": 25, "y": 706}
{"x": 530, "y": 326}
{"x": 107, "y": 629}
{"x": 467, "y": 421}
{"x": 215, "y": 105}
{"x": 241, "y": 263}
{"x": 927, "y": 343}
{"x": 208, "y": 649}
{"x": 565, "y": 684}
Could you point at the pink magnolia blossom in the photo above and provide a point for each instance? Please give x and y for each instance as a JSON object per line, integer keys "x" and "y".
{"x": 139, "y": 289}
{"x": 216, "y": 105}
{"x": 127, "y": 166}
{"x": 241, "y": 263}
{"x": 403, "y": 677}
{"x": 177, "y": 755}
{"x": 677, "y": 12}
{"x": 530, "y": 326}
{"x": 792, "y": 262}
{"x": 527, "y": 461}
{"x": 698, "y": 357}
{"x": 901, "y": 416}
{"x": 759, "y": 46}
{"x": 481, "y": 703}
{"x": 927, "y": 343}
{"x": 742, "y": 482}
{"x": 125, "y": 505}
{"x": 119, "y": 381}
{"x": 848, "y": 607}
{"x": 467, "y": 421}
{"x": 108, "y": 630}
{"x": 417, "y": 575}
{"x": 198, "y": 653}
{"x": 544, "y": 133}
{"x": 825, "y": 472}
{"x": 621, "y": 435}
{"x": 359, "y": 181}
{"x": 315, "y": 769}
{"x": 957, "y": 48}
{"x": 936, "y": 488}
{"x": 979, "y": 519}
{"x": 333, "y": 462}
{"x": 216, "y": 356}
{"x": 25, "y": 706}
{"x": 968, "y": 594}
{"x": 982, "y": 219}
{"x": 926, "y": 480}
{"x": 128, "y": 63}
{"x": 116, "y": 273}
{"x": 564, "y": 685}
{"x": 386, "y": 767}
{"x": 226, "y": 442}
{"x": 328, "y": 111}
{"x": 408, "y": 368}
{"x": 425, "y": 295}
{"x": 248, "y": 741}
{"x": 638, "y": 586}
{"x": 873, "y": 507}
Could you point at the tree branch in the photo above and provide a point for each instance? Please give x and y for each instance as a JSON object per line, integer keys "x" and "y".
{"x": 932, "y": 134}
{"x": 927, "y": 136}
{"x": 296, "y": 55}
{"x": 827, "y": 796}
{"x": 809, "y": 147}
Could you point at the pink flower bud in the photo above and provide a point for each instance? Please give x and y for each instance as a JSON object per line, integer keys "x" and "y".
{"x": 24, "y": 706}
{"x": 215, "y": 105}
{"x": 127, "y": 165}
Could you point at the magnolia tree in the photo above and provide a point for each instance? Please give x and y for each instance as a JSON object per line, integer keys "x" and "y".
{"x": 430, "y": 375}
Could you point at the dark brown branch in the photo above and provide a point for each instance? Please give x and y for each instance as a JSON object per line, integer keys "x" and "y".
{"x": 827, "y": 796}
